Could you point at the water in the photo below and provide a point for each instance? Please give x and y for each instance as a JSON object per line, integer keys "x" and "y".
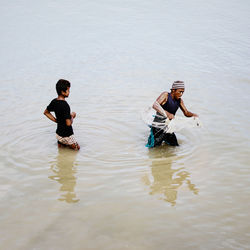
{"x": 115, "y": 193}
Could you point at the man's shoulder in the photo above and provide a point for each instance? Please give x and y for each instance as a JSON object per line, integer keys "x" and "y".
{"x": 164, "y": 93}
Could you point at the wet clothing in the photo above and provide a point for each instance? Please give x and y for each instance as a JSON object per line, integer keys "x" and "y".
{"x": 157, "y": 135}
{"x": 171, "y": 104}
{"x": 62, "y": 112}
{"x": 69, "y": 140}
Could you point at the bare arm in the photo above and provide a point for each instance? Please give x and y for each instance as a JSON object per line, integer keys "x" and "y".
{"x": 161, "y": 100}
{"x": 185, "y": 111}
{"x": 49, "y": 115}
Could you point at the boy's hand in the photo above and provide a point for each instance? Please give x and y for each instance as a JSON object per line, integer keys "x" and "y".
{"x": 50, "y": 116}
{"x": 73, "y": 115}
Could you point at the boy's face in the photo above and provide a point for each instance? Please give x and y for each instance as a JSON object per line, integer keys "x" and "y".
{"x": 66, "y": 93}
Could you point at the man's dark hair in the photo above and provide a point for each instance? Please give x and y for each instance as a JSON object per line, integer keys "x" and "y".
{"x": 62, "y": 85}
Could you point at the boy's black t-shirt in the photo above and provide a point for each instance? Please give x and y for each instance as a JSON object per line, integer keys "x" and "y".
{"x": 62, "y": 112}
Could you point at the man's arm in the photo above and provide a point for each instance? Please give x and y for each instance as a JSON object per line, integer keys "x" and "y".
{"x": 49, "y": 115}
{"x": 162, "y": 99}
{"x": 185, "y": 111}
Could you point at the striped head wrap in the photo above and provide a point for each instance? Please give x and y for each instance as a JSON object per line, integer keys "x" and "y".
{"x": 178, "y": 85}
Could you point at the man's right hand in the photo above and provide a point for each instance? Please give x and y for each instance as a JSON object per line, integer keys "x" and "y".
{"x": 170, "y": 116}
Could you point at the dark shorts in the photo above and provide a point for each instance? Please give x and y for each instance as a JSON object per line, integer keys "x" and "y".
{"x": 157, "y": 137}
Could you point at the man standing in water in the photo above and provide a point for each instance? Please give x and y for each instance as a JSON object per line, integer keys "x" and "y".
{"x": 166, "y": 106}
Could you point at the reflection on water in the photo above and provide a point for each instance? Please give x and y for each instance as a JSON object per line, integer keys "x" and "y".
{"x": 64, "y": 173}
{"x": 166, "y": 178}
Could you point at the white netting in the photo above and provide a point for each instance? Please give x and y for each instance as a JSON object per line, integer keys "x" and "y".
{"x": 156, "y": 120}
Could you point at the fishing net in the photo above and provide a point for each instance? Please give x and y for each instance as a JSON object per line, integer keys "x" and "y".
{"x": 157, "y": 120}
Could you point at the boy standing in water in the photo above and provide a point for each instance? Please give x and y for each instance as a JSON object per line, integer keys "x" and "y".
{"x": 166, "y": 106}
{"x": 64, "y": 118}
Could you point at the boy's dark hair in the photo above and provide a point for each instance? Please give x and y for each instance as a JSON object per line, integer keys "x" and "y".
{"x": 62, "y": 85}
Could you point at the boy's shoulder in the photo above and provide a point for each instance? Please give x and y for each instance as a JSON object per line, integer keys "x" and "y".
{"x": 62, "y": 102}
{"x": 56, "y": 103}
{"x": 53, "y": 100}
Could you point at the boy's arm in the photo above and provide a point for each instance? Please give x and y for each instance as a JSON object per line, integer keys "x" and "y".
{"x": 49, "y": 115}
{"x": 69, "y": 122}
{"x": 185, "y": 111}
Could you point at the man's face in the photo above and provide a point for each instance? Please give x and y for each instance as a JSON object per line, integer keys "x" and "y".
{"x": 66, "y": 93}
{"x": 178, "y": 93}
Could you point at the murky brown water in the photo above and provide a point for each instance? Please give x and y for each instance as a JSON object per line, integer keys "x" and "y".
{"x": 115, "y": 193}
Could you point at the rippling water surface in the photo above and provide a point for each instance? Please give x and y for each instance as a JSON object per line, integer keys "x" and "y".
{"x": 115, "y": 193}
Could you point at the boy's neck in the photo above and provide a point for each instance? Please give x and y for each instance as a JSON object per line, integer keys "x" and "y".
{"x": 61, "y": 97}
